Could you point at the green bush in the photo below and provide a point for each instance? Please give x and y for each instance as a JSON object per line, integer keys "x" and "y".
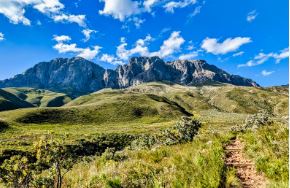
{"x": 16, "y": 172}
{"x": 254, "y": 122}
{"x": 182, "y": 132}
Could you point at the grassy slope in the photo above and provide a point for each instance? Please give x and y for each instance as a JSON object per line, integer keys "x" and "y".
{"x": 137, "y": 109}
{"x": 9, "y": 101}
{"x": 147, "y": 108}
{"x": 268, "y": 147}
{"x": 39, "y": 97}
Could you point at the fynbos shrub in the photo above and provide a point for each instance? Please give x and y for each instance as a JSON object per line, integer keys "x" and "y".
{"x": 254, "y": 121}
{"x": 182, "y": 132}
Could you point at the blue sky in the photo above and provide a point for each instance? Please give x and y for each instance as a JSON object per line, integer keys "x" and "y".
{"x": 244, "y": 37}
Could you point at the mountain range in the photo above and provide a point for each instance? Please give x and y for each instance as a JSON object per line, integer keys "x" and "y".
{"x": 78, "y": 76}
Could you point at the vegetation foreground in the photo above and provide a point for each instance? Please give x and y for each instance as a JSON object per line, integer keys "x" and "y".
{"x": 152, "y": 135}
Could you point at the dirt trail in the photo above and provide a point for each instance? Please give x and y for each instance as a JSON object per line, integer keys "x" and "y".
{"x": 246, "y": 170}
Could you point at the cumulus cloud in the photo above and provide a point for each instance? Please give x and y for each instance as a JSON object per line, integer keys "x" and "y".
{"x": 66, "y": 48}
{"x": 48, "y": 6}
{"x": 120, "y": 9}
{"x": 1, "y": 36}
{"x": 281, "y": 55}
{"x": 261, "y": 58}
{"x": 140, "y": 48}
{"x": 129, "y": 10}
{"x": 170, "y": 46}
{"x": 87, "y": 33}
{"x": 148, "y": 4}
{"x": 69, "y": 18}
{"x": 89, "y": 53}
{"x": 14, "y": 10}
{"x": 63, "y": 47}
{"x": 252, "y": 16}
{"x": 267, "y": 73}
{"x": 170, "y": 6}
{"x": 61, "y": 38}
{"x": 258, "y": 60}
{"x": 211, "y": 45}
{"x": 188, "y": 56}
{"x": 111, "y": 59}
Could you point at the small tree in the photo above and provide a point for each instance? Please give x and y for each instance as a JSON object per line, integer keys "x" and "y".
{"x": 16, "y": 172}
{"x": 52, "y": 153}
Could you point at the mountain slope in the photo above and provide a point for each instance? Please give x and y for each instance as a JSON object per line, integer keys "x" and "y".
{"x": 8, "y": 101}
{"x": 77, "y": 76}
{"x": 225, "y": 98}
{"x": 39, "y": 97}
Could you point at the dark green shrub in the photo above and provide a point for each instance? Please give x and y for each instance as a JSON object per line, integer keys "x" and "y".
{"x": 16, "y": 172}
{"x": 182, "y": 132}
{"x": 254, "y": 122}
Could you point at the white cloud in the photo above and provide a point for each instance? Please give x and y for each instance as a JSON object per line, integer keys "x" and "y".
{"x": 137, "y": 21}
{"x": 211, "y": 45}
{"x": 282, "y": 55}
{"x": 148, "y": 4}
{"x": 196, "y": 11}
{"x": 1, "y": 36}
{"x": 111, "y": 59}
{"x": 258, "y": 60}
{"x": 238, "y": 54}
{"x": 66, "y": 48}
{"x": 188, "y": 56}
{"x": 63, "y": 47}
{"x": 170, "y": 6}
{"x": 14, "y": 10}
{"x": 123, "y": 54}
{"x": 61, "y": 38}
{"x": 64, "y": 18}
{"x": 49, "y": 6}
{"x": 120, "y": 9}
{"x": 88, "y": 53}
{"x": 140, "y": 48}
{"x": 252, "y": 16}
{"x": 170, "y": 46}
{"x": 87, "y": 33}
{"x": 267, "y": 73}
{"x": 261, "y": 58}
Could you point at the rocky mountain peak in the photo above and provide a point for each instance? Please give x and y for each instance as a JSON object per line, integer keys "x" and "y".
{"x": 77, "y": 76}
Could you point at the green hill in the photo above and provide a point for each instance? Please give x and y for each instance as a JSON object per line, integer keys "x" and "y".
{"x": 8, "y": 101}
{"x": 225, "y": 98}
{"x": 112, "y": 117}
{"x": 39, "y": 97}
{"x": 117, "y": 108}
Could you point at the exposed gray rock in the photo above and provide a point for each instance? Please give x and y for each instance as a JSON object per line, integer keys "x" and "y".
{"x": 77, "y": 76}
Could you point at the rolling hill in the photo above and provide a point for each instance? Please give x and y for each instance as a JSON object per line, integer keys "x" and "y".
{"x": 111, "y": 118}
{"x": 8, "y": 101}
{"x": 155, "y": 102}
{"x": 39, "y": 97}
{"x": 14, "y": 98}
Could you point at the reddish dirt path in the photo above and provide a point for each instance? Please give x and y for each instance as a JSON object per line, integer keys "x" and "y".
{"x": 246, "y": 170}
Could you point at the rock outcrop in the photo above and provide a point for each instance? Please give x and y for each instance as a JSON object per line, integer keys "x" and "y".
{"x": 78, "y": 76}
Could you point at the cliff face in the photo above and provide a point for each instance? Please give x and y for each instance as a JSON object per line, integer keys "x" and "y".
{"x": 77, "y": 76}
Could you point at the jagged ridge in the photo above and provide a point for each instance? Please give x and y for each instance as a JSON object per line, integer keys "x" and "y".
{"x": 78, "y": 76}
